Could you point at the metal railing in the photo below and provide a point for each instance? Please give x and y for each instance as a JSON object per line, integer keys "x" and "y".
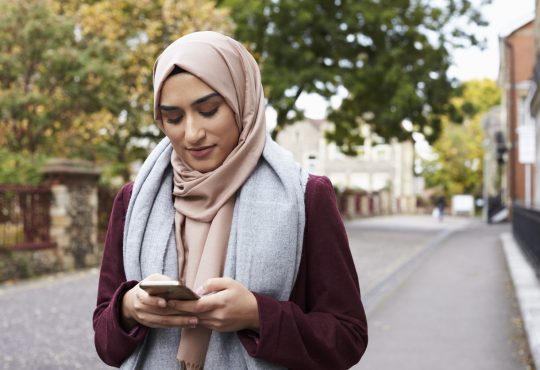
{"x": 526, "y": 230}
{"x": 24, "y": 218}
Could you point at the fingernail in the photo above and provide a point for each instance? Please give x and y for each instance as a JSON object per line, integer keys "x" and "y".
{"x": 200, "y": 290}
{"x": 193, "y": 321}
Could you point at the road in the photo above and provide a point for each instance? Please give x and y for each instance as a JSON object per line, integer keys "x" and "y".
{"x": 46, "y": 324}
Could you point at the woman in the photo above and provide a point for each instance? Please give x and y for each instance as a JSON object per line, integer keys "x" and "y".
{"x": 219, "y": 205}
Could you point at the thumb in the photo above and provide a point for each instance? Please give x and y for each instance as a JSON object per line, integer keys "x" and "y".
{"x": 215, "y": 285}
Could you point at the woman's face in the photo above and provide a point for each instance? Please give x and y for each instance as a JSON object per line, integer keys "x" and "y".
{"x": 198, "y": 121}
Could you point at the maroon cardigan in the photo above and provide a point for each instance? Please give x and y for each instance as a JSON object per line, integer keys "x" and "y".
{"x": 322, "y": 326}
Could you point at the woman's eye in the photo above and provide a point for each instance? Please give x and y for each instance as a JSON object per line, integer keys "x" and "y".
{"x": 174, "y": 120}
{"x": 209, "y": 113}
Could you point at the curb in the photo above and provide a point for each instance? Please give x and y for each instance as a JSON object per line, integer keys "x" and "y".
{"x": 527, "y": 288}
{"x": 379, "y": 292}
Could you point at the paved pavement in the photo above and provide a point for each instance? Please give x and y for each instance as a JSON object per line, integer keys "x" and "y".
{"x": 46, "y": 324}
{"x": 527, "y": 289}
{"x": 456, "y": 310}
{"x": 382, "y": 246}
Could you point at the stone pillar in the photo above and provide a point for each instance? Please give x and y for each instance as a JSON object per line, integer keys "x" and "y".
{"x": 74, "y": 217}
{"x": 364, "y": 205}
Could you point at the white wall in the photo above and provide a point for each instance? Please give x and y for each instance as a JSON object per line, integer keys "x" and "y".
{"x": 378, "y": 166}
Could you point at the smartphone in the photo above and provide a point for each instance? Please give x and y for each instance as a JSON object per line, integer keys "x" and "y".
{"x": 169, "y": 289}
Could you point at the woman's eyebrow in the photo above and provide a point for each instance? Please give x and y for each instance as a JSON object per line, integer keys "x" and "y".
{"x": 168, "y": 107}
{"x": 198, "y": 101}
{"x": 205, "y": 98}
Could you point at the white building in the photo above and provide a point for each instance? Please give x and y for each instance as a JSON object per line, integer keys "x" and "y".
{"x": 383, "y": 166}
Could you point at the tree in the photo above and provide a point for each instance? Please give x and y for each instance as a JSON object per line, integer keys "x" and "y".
{"x": 459, "y": 150}
{"x": 131, "y": 34}
{"x": 76, "y": 76}
{"x": 390, "y": 55}
{"x": 47, "y": 80}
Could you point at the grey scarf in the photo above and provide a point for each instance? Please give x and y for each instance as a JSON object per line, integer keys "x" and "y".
{"x": 264, "y": 248}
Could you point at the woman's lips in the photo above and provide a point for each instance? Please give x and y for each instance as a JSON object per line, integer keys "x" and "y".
{"x": 201, "y": 152}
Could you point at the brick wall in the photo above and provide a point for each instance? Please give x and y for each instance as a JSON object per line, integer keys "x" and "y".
{"x": 521, "y": 57}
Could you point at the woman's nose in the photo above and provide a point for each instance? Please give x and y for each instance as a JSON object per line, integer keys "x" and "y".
{"x": 195, "y": 132}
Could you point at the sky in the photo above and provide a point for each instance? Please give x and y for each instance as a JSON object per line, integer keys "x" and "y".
{"x": 473, "y": 63}
{"x": 503, "y": 16}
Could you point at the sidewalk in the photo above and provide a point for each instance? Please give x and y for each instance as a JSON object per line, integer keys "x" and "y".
{"x": 527, "y": 288}
{"x": 456, "y": 310}
{"x": 387, "y": 249}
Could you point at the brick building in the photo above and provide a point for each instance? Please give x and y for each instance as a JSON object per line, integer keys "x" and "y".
{"x": 534, "y": 97}
{"x": 516, "y": 79}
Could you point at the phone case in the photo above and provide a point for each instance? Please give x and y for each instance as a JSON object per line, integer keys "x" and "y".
{"x": 174, "y": 290}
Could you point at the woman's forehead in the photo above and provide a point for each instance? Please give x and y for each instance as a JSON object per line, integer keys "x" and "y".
{"x": 184, "y": 87}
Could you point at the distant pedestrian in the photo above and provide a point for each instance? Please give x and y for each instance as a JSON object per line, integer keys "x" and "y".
{"x": 440, "y": 204}
{"x": 220, "y": 206}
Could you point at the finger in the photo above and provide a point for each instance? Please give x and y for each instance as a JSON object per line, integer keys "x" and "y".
{"x": 168, "y": 321}
{"x": 215, "y": 285}
{"x": 209, "y": 316}
{"x": 204, "y": 304}
{"x": 190, "y": 307}
{"x": 150, "y": 300}
{"x": 213, "y": 324}
{"x": 167, "y": 311}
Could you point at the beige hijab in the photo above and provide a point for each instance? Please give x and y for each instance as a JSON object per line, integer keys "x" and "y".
{"x": 204, "y": 202}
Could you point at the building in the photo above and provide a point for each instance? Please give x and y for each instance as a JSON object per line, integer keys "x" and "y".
{"x": 378, "y": 167}
{"x": 516, "y": 80}
{"x": 526, "y": 215}
{"x": 534, "y": 99}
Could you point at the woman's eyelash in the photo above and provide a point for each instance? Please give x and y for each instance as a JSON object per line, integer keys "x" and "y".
{"x": 210, "y": 113}
{"x": 174, "y": 120}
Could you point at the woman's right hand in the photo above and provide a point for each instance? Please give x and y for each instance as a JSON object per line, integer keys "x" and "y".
{"x": 140, "y": 307}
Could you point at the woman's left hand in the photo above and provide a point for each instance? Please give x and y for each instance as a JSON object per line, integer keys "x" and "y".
{"x": 225, "y": 305}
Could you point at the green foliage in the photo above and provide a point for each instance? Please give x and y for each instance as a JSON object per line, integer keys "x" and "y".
{"x": 20, "y": 167}
{"x": 47, "y": 78}
{"x": 459, "y": 165}
{"x": 76, "y": 76}
{"x": 21, "y": 265}
{"x": 475, "y": 97}
{"x": 391, "y": 56}
{"x": 15, "y": 266}
{"x": 131, "y": 34}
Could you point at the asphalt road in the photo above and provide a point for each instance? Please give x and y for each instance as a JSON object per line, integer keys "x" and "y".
{"x": 47, "y": 324}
